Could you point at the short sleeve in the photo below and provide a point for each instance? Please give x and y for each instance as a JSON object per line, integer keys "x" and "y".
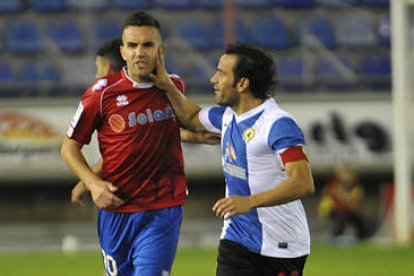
{"x": 86, "y": 119}
{"x": 212, "y": 118}
{"x": 285, "y": 133}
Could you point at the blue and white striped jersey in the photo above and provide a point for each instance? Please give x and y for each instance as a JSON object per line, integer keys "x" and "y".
{"x": 251, "y": 145}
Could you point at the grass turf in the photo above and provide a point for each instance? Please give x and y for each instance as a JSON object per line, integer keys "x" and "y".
{"x": 324, "y": 260}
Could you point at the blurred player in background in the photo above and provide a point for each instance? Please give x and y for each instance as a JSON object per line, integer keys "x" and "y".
{"x": 266, "y": 170}
{"x": 341, "y": 202}
{"x": 109, "y": 61}
{"x": 142, "y": 185}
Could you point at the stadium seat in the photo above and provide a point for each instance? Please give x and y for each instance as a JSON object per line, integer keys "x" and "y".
{"x": 104, "y": 30}
{"x": 88, "y": 4}
{"x": 338, "y": 3}
{"x": 319, "y": 29}
{"x": 22, "y": 37}
{"x": 270, "y": 33}
{"x": 356, "y": 29}
{"x": 293, "y": 73}
{"x": 376, "y": 3}
{"x": 174, "y": 4}
{"x": 335, "y": 73}
{"x": 39, "y": 72}
{"x": 257, "y": 4}
{"x": 48, "y": 5}
{"x": 131, "y": 4}
{"x": 66, "y": 36}
{"x": 217, "y": 33}
{"x": 384, "y": 30}
{"x": 210, "y": 4}
{"x": 295, "y": 3}
{"x": 195, "y": 33}
{"x": 375, "y": 72}
{"x": 7, "y": 6}
{"x": 6, "y": 73}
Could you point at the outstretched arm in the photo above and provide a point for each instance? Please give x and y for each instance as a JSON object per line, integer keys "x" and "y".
{"x": 102, "y": 191}
{"x": 298, "y": 184}
{"x": 185, "y": 110}
{"x": 202, "y": 137}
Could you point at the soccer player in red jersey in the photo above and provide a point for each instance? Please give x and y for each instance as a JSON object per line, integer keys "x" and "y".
{"x": 109, "y": 61}
{"x": 142, "y": 185}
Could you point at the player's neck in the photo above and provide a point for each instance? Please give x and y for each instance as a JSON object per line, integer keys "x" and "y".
{"x": 246, "y": 104}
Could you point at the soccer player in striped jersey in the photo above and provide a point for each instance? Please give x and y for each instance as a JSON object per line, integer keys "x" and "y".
{"x": 109, "y": 61}
{"x": 142, "y": 184}
{"x": 265, "y": 166}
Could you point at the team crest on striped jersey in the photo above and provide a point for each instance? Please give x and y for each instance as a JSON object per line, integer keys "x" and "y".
{"x": 249, "y": 134}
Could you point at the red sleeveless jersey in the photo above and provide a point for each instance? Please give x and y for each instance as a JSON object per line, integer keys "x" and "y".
{"x": 139, "y": 141}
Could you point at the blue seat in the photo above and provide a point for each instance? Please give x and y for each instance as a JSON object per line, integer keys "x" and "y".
{"x": 384, "y": 30}
{"x": 7, "y": 6}
{"x": 210, "y": 4}
{"x": 48, "y": 5}
{"x": 257, "y": 4}
{"x": 6, "y": 73}
{"x": 88, "y": 4}
{"x": 377, "y": 3}
{"x": 270, "y": 33}
{"x": 174, "y": 4}
{"x": 319, "y": 29}
{"x": 131, "y": 4}
{"x": 292, "y": 73}
{"x": 356, "y": 29}
{"x": 218, "y": 35}
{"x": 295, "y": 3}
{"x": 22, "y": 37}
{"x": 196, "y": 33}
{"x": 375, "y": 71}
{"x": 66, "y": 36}
{"x": 103, "y": 31}
{"x": 38, "y": 72}
{"x": 336, "y": 73}
{"x": 338, "y": 3}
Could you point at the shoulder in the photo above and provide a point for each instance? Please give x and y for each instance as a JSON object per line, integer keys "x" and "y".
{"x": 274, "y": 112}
{"x": 100, "y": 85}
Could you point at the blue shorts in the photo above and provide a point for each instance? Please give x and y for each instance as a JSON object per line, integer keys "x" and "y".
{"x": 141, "y": 243}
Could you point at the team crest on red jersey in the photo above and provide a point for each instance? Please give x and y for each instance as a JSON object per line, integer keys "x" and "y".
{"x": 117, "y": 123}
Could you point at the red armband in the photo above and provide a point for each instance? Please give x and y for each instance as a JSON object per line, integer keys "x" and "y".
{"x": 293, "y": 154}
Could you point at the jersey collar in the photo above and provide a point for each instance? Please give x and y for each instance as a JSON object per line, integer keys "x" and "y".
{"x": 134, "y": 83}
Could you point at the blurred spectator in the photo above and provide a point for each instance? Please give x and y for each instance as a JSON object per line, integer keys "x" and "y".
{"x": 341, "y": 202}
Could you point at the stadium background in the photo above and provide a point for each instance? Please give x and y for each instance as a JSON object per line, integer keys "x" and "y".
{"x": 333, "y": 64}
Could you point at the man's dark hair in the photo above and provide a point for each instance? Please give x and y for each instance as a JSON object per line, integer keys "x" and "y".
{"x": 110, "y": 51}
{"x": 141, "y": 18}
{"x": 256, "y": 65}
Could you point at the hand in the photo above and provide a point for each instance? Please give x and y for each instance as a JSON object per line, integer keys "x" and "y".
{"x": 230, "y": 206}
{"x": 78, "y": 193}
{"x": 161, "y": 78}
{"x": 103, "y": 195}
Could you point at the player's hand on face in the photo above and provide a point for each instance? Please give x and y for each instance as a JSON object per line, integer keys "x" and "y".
{"x": 103, "y": 195}
{"x": 161, "y": 78}
{"x": 230, "y": 206}
{"x": 78, "y": 193}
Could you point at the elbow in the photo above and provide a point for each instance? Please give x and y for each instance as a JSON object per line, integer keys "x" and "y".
{"x": 309, "y": 188}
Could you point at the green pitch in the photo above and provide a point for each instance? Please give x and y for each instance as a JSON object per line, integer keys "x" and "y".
{"x": 325, "y": 260}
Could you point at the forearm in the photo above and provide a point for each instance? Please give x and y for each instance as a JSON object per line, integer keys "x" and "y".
{"x": 74, "y": 159}
{"x": 185, "y": 110}
{"x": 298, "y": 185}
{"x": 97, "y": 168}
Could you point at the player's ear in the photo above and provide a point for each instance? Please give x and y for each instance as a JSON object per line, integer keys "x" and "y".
{"x": 123, "y": 54}
{"x": 243, "y": 84}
